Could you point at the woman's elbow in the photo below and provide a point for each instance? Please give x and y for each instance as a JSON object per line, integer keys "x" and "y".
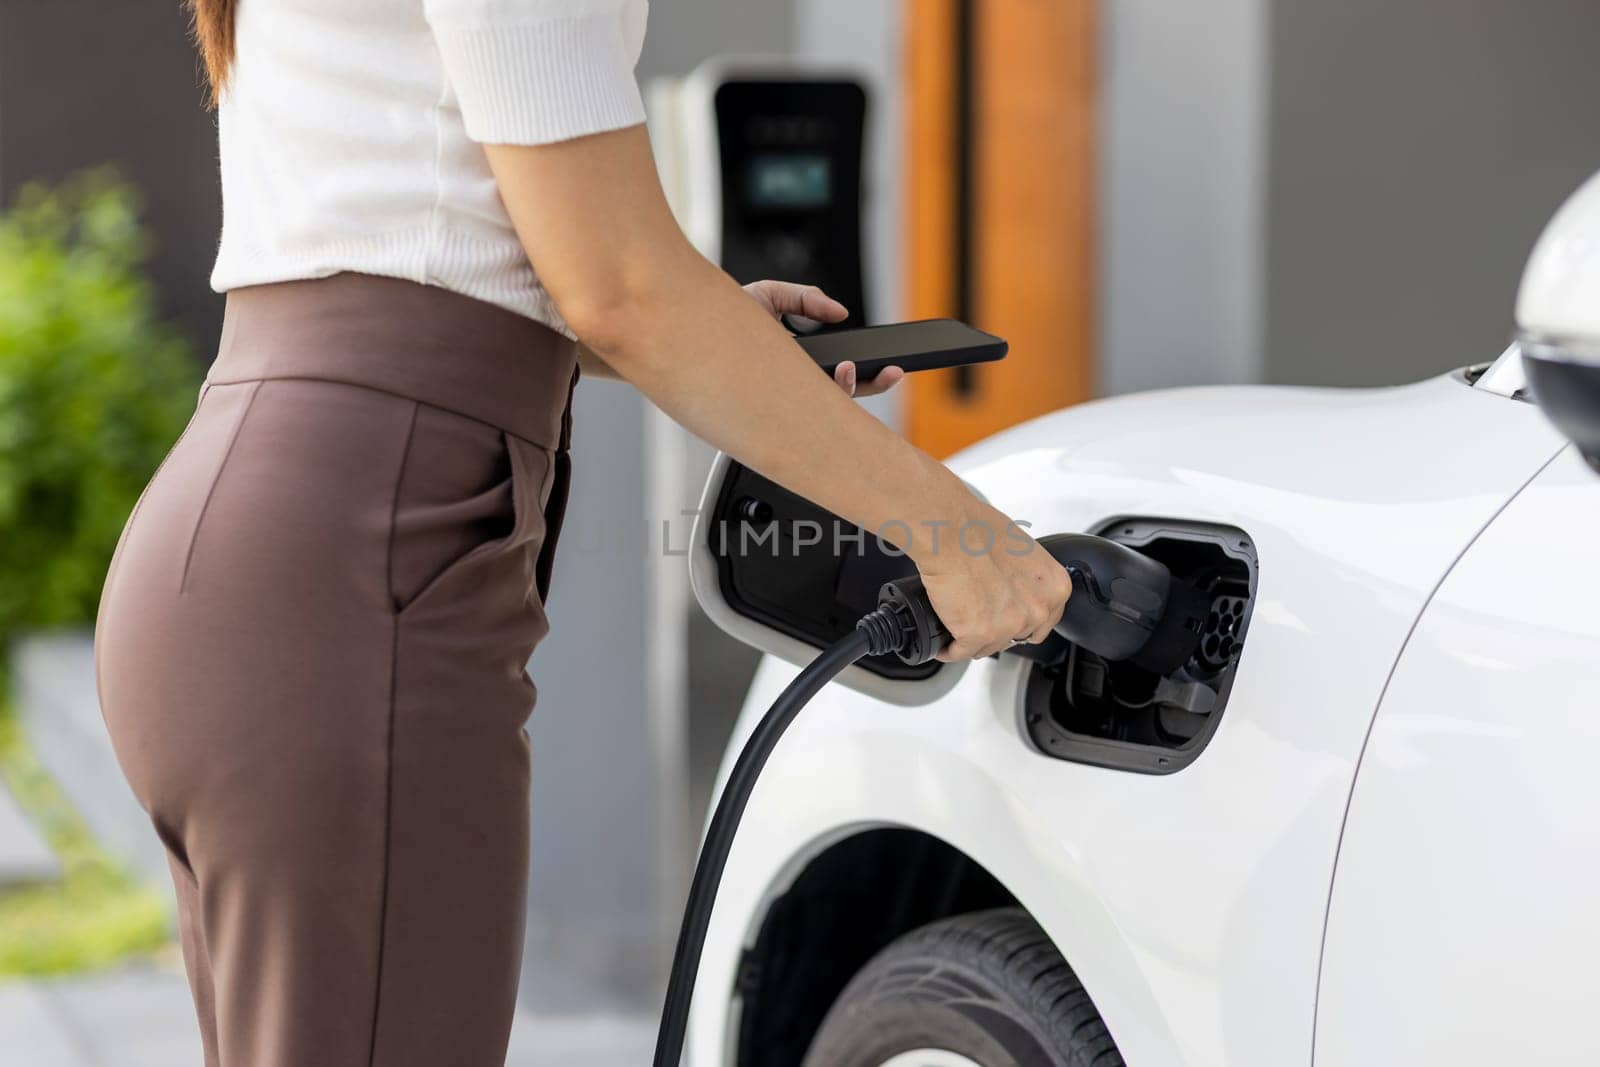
{"x": 608, "y": 322}
{"x": 619, "y": 312}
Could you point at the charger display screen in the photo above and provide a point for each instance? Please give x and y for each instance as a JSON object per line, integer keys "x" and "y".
{"x": 790, "y": 180}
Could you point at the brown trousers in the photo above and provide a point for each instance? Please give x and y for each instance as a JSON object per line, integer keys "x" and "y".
{"x": 311, "y": 650}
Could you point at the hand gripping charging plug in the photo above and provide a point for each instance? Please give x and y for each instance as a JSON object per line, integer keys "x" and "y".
{"x": 1124, "y": 606}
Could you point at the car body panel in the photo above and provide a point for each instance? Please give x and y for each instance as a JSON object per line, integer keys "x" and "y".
{"x": 1464, "y": 926}
{"x": 1191, "y": 904}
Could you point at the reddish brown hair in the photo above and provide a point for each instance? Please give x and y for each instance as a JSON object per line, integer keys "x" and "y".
{"x": 213, "y": 33}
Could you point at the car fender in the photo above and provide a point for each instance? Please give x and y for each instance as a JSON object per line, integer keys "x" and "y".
{"x": 1191, "y": 904}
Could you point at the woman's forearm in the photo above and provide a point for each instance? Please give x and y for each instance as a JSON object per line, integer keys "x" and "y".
{"x": 597, "y": 229}
{"x": 596, "y": 226}
{"x": 715, "y": 361}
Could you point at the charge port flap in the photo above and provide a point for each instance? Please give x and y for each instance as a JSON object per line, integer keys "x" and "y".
{"x": 789, "y": 578}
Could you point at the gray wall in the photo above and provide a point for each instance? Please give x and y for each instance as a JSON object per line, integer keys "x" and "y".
{"x": 685, "y": 32}
{"x": 1327, "y": 193}
{"x": 1417, "y": 150}
{"x": 85, "y": 81}
{"x": 1182, "y": 143}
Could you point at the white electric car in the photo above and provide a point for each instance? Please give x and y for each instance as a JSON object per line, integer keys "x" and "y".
{"x": 1360, "y": 828}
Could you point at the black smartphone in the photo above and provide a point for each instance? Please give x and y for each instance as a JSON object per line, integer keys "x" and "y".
{"x": 923, "y": 345}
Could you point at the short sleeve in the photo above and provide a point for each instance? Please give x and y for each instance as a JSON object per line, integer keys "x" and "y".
{"x": 538, "y": 71}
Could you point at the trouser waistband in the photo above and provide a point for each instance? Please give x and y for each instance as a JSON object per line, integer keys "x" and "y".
{"x": 419, "y": 341}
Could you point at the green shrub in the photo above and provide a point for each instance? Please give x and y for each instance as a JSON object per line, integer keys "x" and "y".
{"x": 94, "y": 389}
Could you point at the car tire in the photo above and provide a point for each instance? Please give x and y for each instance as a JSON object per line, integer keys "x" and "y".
{"x": 988, "y": 988}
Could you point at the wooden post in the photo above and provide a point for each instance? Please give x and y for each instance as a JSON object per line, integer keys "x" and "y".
{"x": 999, "y": 205}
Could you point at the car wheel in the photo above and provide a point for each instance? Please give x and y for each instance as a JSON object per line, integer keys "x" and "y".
{"x": 980, "y": 990}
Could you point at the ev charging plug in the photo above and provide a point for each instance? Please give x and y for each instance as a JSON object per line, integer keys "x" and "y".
{"x": 1124, "y": 606}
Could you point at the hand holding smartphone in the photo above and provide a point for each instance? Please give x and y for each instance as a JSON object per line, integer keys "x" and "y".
{"x": 926, "y": 344}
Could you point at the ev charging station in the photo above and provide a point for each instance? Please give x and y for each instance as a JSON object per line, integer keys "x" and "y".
{"x": 763, "y": 161}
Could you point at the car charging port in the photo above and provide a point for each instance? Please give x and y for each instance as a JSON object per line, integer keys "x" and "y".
{"x": 1081, "y": 707}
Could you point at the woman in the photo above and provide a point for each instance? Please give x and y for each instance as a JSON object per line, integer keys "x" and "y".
{"x": 312, "y": 638}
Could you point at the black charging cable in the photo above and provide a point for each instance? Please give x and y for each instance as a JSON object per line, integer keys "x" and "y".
{"x": 1124, "y": 606}
{"x": 902, "y": 621}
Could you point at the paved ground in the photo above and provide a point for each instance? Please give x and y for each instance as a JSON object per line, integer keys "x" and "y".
{"x": 24, "y": 856}
{"x": 142, "y": 1017}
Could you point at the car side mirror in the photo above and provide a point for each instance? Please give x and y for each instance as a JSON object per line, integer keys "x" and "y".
{"x": 1565, "y": 383}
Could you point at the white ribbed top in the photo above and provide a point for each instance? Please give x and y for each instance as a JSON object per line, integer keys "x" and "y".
{"x": 350, "y": 133}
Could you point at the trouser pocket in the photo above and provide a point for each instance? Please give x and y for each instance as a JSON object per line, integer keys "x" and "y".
{"x": 467, "y": 511}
